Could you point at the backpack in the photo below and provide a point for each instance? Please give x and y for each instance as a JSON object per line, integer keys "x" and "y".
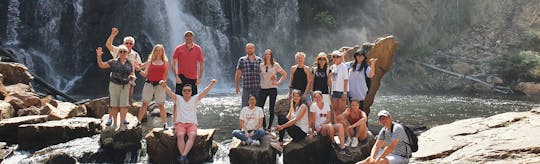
{"x": 413, "y": 140}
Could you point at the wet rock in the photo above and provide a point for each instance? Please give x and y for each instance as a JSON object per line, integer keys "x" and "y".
{"x": 263, "y": 153}
{"x": 282, "y": 106}
{"x": 40, "y": 135}
{"x": 529, "y": 88}
{"x": 5, "y": 151}
{"x": 127, "y": 140}
{"x": 20, "y": 100}
{"x": 355, "y": 154}
{"x": 60, "y": 158}
{"x": 507, "y": 138}
{"x": 99, "y": 107}
{"x": 162, "y": 146}
{"x": 462, "y": 68}
{"x": 307, "y": 151}
{"x": 15, "y": 73}
{"x": 9, "y": 127}
{"x": 30, "y": 111}
{"x": 65, "y": 110}
{"x": 6, "y": 111}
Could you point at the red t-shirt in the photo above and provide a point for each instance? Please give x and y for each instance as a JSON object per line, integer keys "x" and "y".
{"x": 155, "y": 72}
{"x": 188, "y": 59}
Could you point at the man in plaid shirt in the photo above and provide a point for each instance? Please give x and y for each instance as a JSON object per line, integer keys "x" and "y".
{"x": 248, "y": 67}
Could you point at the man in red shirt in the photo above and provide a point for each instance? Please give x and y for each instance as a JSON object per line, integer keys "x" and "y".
{"x": 184, "y": 64}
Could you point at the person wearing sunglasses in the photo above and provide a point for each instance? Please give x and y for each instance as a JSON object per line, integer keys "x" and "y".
{"x": 122, "y": 71}
{"x": 391, "y": 145}
{"x": 155, "y": 71}
{"x": 186, "y": 56}
{"x": 320, "y": 117}
{"x": 185, "y": 116}
{"x": 340, "y": 78}
{"x": 322, "y": 77}
{"x": 354, "y": 119}
{"x": 133, "y": 56}
{"x": 269, "y": 84}
{"x": 248, "y": 68}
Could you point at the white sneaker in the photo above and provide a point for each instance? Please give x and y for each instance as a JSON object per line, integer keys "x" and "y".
{"x": 255, "y": 143}
{"x": 354, "y": 142}
{"x": 348, "y": 142}
{"x": 122, "y": 128}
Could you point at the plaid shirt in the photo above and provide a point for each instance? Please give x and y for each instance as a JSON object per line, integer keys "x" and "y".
{"x": 251, "y": 71}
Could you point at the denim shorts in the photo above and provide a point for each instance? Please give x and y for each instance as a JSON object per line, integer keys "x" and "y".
{"x": 337, "y": 95}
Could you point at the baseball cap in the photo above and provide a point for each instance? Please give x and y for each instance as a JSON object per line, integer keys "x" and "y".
{"x": 383, "y": 113}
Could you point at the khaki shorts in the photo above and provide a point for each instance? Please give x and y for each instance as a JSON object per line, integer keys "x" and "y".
{"x": 119, "y": 95}
{"x": 326, "y": 99}
{"x": 157, "y": 92}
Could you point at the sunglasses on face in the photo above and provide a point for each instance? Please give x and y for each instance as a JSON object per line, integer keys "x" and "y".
{"x": 128, "y": 43}
{"x": 186, "y": 90}
{"x": 382, "y": 118}
{"x": 335, "y": 56}
{"x": 122, "y": 52}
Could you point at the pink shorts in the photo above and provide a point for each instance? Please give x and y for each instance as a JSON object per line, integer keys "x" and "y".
{"x": 185, "y": 128}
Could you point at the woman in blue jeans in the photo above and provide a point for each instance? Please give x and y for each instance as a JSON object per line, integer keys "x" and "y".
{"x": 251, "y": 118}
{"x": 269, "y": 84}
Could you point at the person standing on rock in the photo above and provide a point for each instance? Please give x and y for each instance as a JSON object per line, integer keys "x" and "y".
{"x": 355, "y": 122}
{"x": 296, "y": 122}
{"x": 133, "y": 56}
{"x": 359, "y": 72}
{"x": 322, "y": 77}
{"x": 186, "y": 56}
{"x": 251, "y": 123}
{"x": 185, "y": 116}
{"x": 392, "y": 143}
{"x": 155, "y": 71}
{"x": 122, "y": 71}
{"x": 248, "y": 68}
{"x": 340, "y": 81}
{"x": 321, "y": 114}
{"x": 300, "y": 77}
{"x": 269, "y": 84}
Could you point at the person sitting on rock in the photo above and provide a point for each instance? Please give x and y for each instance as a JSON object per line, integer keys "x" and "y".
{"x": 185, "y": 116}
{"x": 391, "y": 146}
{"x": 251, "y": 119}
{"x": 320, "y": 122}
{"x": 355, "y": 121}
{"x": 296, "y": 122}
{"x": 122, "y": 71}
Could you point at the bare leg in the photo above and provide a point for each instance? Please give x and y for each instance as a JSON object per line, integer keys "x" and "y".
{"x": 341, "y": 134}
{"x": 361, "y": 134}
{"x": 189, "y": 143}
{"x": 180, "y": 143}
{"x": 123, "y": 113}
{"x": 114, "y": 114}
{"x": 330, "y": 132}
{"x": 142, "y": 111}
{"x": 162, "y": 113}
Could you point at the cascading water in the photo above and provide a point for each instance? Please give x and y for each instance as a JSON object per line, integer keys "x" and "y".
{"x": 13, "y": 22}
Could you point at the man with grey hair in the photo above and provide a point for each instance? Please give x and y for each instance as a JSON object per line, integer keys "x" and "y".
{"x": 248, "y": 68}
{"x": 392, "y": 144}
{"x": 133, "y": 56}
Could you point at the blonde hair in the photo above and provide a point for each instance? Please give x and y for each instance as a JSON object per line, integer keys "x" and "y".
{"x": 153, "y": 55}
{"x": 321, "y": 55}
{"x": 122, "y": 47}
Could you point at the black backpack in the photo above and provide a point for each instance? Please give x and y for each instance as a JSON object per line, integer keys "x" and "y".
{"x": 413, "y": 140}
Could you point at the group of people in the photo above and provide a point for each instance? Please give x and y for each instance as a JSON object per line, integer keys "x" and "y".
{"x": 330, "y": 87}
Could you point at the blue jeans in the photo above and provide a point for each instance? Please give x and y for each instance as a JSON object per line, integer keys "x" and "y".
{"x": 257, "y": 134}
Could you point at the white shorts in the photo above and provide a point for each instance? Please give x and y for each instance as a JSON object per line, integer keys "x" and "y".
{"x": 394, "y": 158}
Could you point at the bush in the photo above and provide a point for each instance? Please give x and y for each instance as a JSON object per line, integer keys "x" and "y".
{"x": 523, "y": 66}
{"x": 325, "y": 18}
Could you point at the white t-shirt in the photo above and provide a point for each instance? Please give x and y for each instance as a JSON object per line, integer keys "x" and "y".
{"x": 267, "y": 73}
{"x": 320, "y": 114}
{"x": 303, "y": 122}
{"x": 339, "y": 75}
{"x": 186, "y": 111}
{"x": 251, "y": 117}
{"x": 133, "y": 57}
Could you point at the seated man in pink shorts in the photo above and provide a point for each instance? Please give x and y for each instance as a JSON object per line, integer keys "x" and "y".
{"x": 185, "y": 116}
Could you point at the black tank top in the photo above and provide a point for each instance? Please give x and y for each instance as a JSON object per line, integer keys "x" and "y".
{"x": 320, "y": 83}
{"x": 299, "y": 80}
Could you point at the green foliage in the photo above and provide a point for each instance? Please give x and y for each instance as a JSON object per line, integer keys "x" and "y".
{"x": 524, "y": 66}
{"x": 532, "y": 38}
{"x": 326, "y": 19}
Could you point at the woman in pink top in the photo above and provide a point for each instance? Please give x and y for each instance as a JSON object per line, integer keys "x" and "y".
{"x": 155, "y": 71}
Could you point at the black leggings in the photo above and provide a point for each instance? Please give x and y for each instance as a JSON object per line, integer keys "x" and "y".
{"x": 263, "y": 93}
{"x": 294, "y": 131}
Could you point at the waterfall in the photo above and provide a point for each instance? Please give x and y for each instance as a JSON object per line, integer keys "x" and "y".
{"x": 13, "y": 22}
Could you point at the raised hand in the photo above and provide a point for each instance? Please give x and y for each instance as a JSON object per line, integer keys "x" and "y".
{"x": 114, "y": 31}
{"x": 99, "y": 51}
{"x": 213, "y": 81}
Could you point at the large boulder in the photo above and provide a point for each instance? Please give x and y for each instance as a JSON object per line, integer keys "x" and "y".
{"x": 3, "y": 90}
{"x": 40, "y": 135}
{"x": 30, "y": 111}
{"x": 5, "y": 151}
{"x": 504, "y": 138}
{"x": 282, "y": 106}
{"x": 6, "y": 110}
{"x": 65, "y": 110}
{"x": 315, "y": 150}
{"x": 15, "y": 73}
{"x": 127, "y": 140}
{"x": 529, "y": 88}
{"x": 262, "y": 154}
{"x": 19, "y": 87}
{"x": 20, "y": 100}
{"x": 355, "y": 154}
{"x": 99, "y": 107}
{"x": 162, "y": 146}
{"x": 9, "y": 127}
